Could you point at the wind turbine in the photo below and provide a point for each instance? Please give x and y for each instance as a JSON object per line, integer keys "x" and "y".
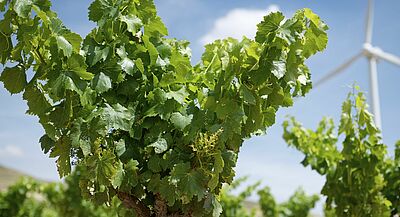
{"x": 373, "y": 54}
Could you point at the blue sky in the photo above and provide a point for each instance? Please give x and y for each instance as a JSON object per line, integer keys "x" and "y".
{"x": 265, "y": 158}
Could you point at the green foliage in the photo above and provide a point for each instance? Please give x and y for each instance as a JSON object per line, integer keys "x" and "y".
{"x": 360, "y": 179}
{"x": 234, "y": 205}
{"x": 12, "y": 201}
{"x": 392, "y": 178}
{"x": 268, "y": 205}
{"x": 299, "y": 204}
{"x": 126, "y": 104}
{"x": 30, "y": 198}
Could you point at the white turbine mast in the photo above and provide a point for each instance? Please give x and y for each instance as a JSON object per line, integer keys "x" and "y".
{"x": 373, "y": 54}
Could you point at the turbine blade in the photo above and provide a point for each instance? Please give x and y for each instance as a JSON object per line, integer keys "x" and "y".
{"x": 338, "y": 70}
{"x": 370, "y": 22}
{"x": 380, "y": 54}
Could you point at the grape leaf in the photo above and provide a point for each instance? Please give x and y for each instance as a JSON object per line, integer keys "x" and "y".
{"x": 64, "y": 45}
{"x": 180, "y": 121}
{"x": 116, "y": 117}
{"x": 62, "y": 150}
{"x": 23, "y": 7}
{"x": 101, "y": 83}
{"x": 178, "y": 96}
{"x": 46, "y": 143}
{"x": 270, "y": 23}
{"x": 133, "y": 23}
{"x": 190, "y": 181}
{"x": 156, "y": 25}
{"x": 279, "y": 68}
{"x": 14, "y": 79}
{"x": 75, "y": 40}
{"x": 76, "y": 63}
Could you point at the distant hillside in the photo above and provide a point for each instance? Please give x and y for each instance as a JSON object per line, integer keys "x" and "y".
{"x": 250, "y": 205}
{"x": 8, "y": 177}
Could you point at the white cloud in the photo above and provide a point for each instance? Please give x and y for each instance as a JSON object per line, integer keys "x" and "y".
{"x": 237, "y": 23}
{"x": 11, "y": 151}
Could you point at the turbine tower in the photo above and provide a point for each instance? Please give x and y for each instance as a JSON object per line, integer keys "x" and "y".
{"x": 373, "y": 54}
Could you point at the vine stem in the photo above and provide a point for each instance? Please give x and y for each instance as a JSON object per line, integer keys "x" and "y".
{"x": 132, "y": 202}
{"x": 160, "y": 206}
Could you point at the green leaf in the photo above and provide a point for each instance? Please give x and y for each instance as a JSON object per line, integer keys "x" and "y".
{"x": 270, "y": 24}
{"x": 130, "y": 174}
{"x": 64, "y": 45}
{"x": 85, "y": 147}
{"x": 316, "y": 40}
{"x": 182, "y": 66}
{"x": 118, "y": 177}
{"x": 64, "y": 82}
{"x": 247, "y": 95}
{"x": 127, "y": 65}
{"x": 313, "y": 17}
{"x": 37, "y": 102}
{"x": 316, "y": 37}
{"x": 23, "y": 7}
{"x": 62, "y": 113}
{"x": 87, "y": 98}
{"x": 160, "y": 145}
{"x": 279, "y": 68}
{"x": 230, "y": 159}
{"x": 116, "y": 117}
{"x": 46, "y": 143}
{"x": 94, "y": 52}
{"x": 14, "y": 79}
{"x": 62, "y": 150}
{"x": 102, "y": 10}
{"x": 95, "y": 11}
{"x": 218, "y": 168}
{"x": 153, "y": 53}
{"x": 75, "y": 40}
{"x": 211, "y": 203}
{"x": 190, "y": 181}
{"x": 42, "y": 15}
{"x": 101, "y": 83}
{"x": 156, "y": 25}
{"x": 76, "y": 63}
{"x": 43, "y": 4}
{"x": 180, "y": 121}
{"x": 269, "y": 116}
{"x": 225, "y": 107}
{"x": 217, "y": 207}
{"x": 120, "y": 147}
{"x": 168, "y": 191}
{"x": 139, "y": 65}
{"x": 178, "y": 96}
{"x": 133, "y": 23}
{"x": 105, "y": 167}
{"x": 154, "y": 164}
